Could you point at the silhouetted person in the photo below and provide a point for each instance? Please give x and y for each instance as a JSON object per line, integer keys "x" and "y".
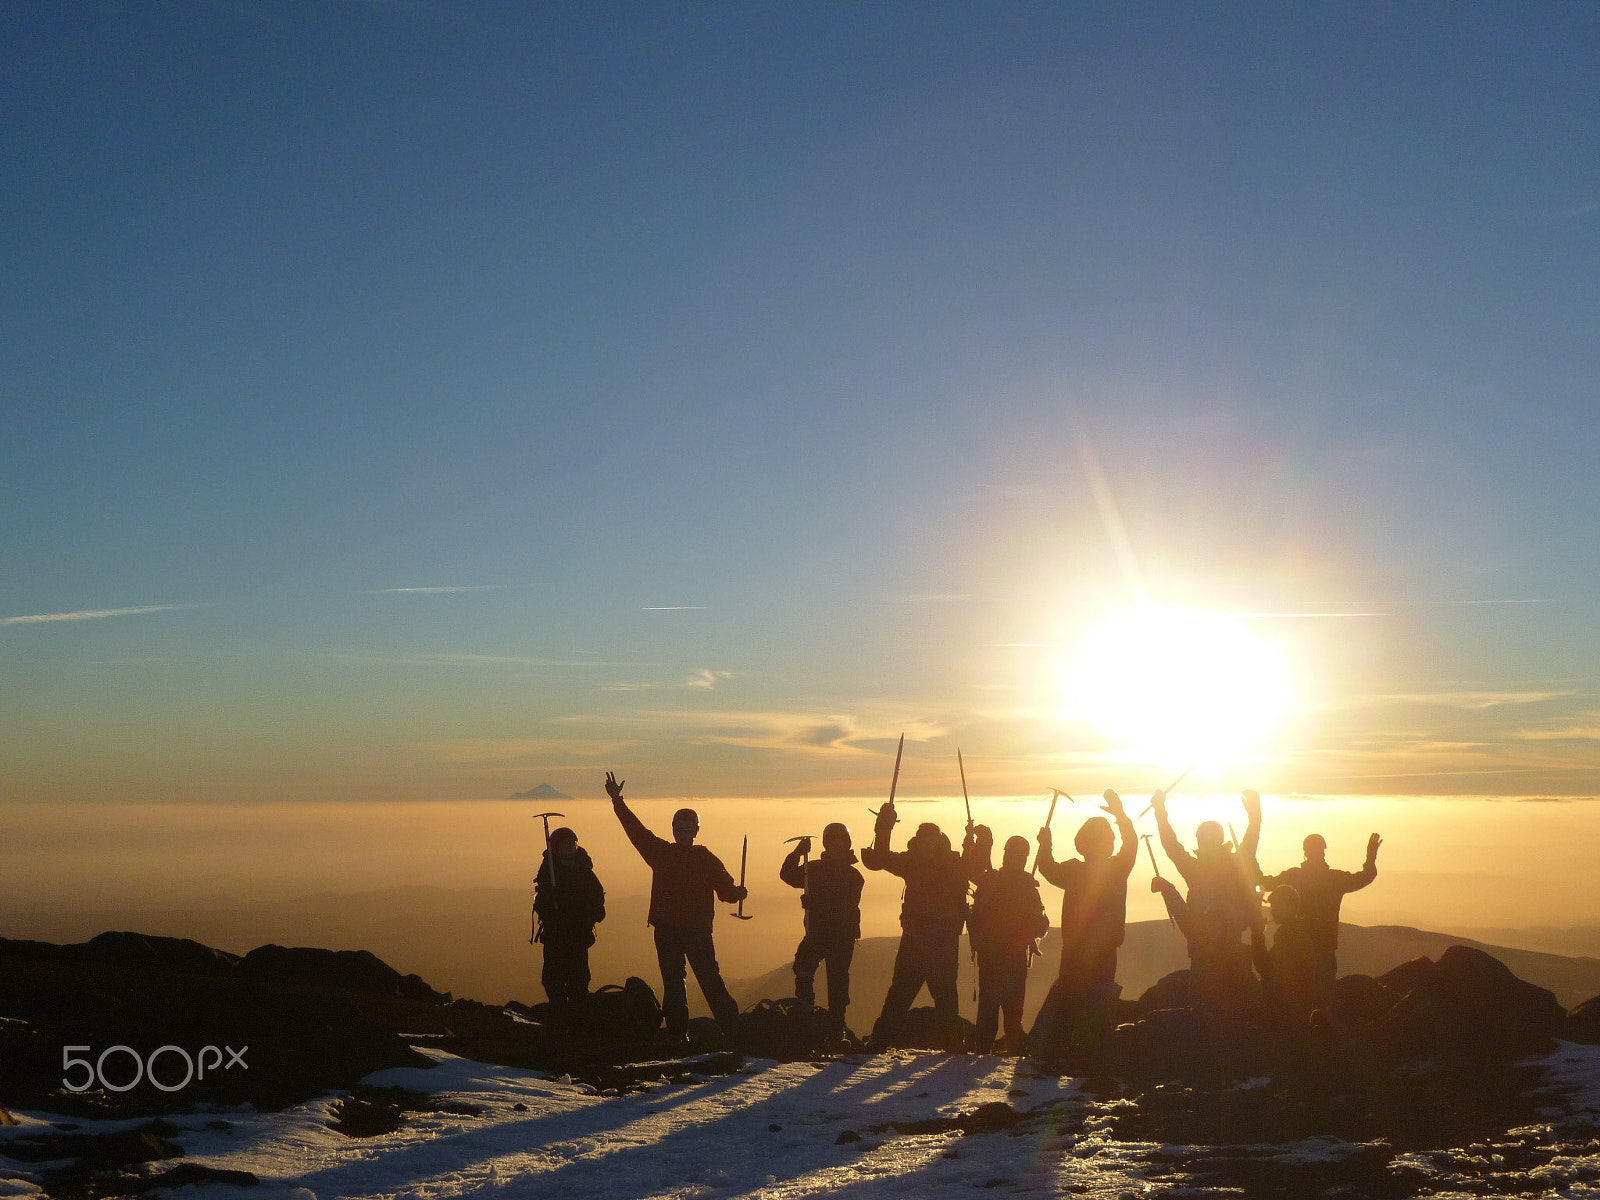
{"x": 1007, "y": 916}
{"x": 1288, "y": 969}
{"x": 569, "y": 902}
{"x": 1094, "y": 907}
{"x": 685, "y": 883}
{"x": 1221, "y": 882}
{"x": 932, "y": 915}
{"x": 1221, "y": 983}
{"x": 832, "y": 902}
{"x": 1322, "y": 890}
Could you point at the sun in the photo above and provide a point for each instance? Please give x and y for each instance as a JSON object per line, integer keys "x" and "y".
{"x": 1175, "y": 685}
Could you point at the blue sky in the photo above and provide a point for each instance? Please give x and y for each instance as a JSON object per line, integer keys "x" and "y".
{"x": 791, "y": 323}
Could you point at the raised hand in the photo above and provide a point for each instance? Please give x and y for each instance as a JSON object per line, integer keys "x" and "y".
{"x": 1113, "y": 803}
{"x": 1158, "y": 801}
{"x": 1373, "y": 843}
{"x": 1045, "y": 840}
{"x": 803, "y": 846}
{"x": 613, "y": 788}
{"x": 1252, "y": 802}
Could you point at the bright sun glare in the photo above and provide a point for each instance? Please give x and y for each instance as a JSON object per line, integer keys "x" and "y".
{"x": 1174, "y": 685}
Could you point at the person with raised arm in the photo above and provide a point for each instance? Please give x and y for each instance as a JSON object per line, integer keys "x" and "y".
{"x": 1094, "y": 906}
{"x": 1222, "y": 881}
{"x": 831, "y": 896}
{"x": 1322, "y": 890}
{"x": 686, "y": 880}
{"x": 1007, "y": 917}
{"x": 932, "y": 915}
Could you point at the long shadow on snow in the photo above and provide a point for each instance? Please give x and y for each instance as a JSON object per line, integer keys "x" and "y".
{"x": 477, "y": 1143}
{"x": 683, "y": 1156}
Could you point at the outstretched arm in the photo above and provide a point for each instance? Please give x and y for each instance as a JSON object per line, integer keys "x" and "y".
{"x": 1369, "y": 870}
{"x": 722, "y": 883}
{"x": 1052, "y": 871}
{"x": 1177, "y": 907}
{"x": 646, "y": 843}
{"x": 1247, "y": 848}
{"x": 793, "y": 872}
{"x": 1180, "y": 857}
{"x": 1127, "y": 836}
{"x": 977, "y": 850}
{"x": 878, "y": 856}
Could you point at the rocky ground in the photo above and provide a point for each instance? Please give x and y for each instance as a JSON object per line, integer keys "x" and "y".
{"x": 1447, "y": 1077}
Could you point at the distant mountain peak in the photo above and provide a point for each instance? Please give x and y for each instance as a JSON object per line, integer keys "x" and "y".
{"x": 543, "y": 792}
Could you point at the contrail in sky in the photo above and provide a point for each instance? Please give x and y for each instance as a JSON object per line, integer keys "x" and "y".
{"x": 674, "y": 608}
{"x": 94, "y": 614}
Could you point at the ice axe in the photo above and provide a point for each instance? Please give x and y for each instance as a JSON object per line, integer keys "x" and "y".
{"x": 550, "y": 859}
{"x": 1167, "y": 791}
{"x": 1055, "y": 794}
{"x": 895, "y": 782}
{"x": 965, "y": 799}
{"x": 744, "y": 853}
{"x": 1145, "y": 838}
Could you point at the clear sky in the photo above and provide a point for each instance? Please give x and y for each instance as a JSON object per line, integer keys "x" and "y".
{"x": 413, "y": 400}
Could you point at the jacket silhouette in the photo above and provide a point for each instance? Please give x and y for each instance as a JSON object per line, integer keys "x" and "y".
{"x": 932, "y": 916}
{"x": 1221, "y": 880}
{"x": 1094, "y": 907}
{"x": 686, "y": 880}
{"x": 1322, "y": 890}
{"x": 1007, "y": 917}
{"x": 831, "y": 888}
{"x": 569, "y": 902}
{"x": 1288, "y": 968}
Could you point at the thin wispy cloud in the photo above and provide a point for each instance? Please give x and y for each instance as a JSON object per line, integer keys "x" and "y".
{"x": 1475, "y": 699}
{"x": 1573, "y": 212}
{"x": 429, "y": 591}
{"x": 95, "y": 614}
{"x": 706, "y": 679}
{"x": 673, "y": 608}
{"x": 474, "y": 660}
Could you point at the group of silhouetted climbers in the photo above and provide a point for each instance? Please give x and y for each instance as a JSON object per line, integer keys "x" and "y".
{"x": 1288, "y": 982}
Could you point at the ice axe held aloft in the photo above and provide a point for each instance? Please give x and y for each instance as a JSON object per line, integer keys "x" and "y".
{"x": 1055, "y": 794}
{"x": 895, "y": 781}
{"x": 550, "y": 859}
{"x": 744, "y": 854}
{"x": 1167, "y": 791}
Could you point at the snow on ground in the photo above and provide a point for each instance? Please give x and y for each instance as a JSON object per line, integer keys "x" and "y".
{"x": 768, "y": 1132}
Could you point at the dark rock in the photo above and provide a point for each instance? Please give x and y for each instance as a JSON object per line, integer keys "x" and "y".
{"x": 1361, "y": 999}
{"x": 846, "y": 1136}
{"x": 370, "y": 1111}
{"x": 1170, "y": 991}
{"x": 1583, "y": 1023}
{"x": 774, "y": 1128}
{"x": 1469, "y": 1005}
{"x": 359, "y": 970}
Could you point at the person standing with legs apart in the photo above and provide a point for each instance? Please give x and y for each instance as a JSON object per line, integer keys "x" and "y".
{"x": 831, "y": 896}
{"x": 1094, "y": 907}
{"x": 686, "y": 881}
{"x": 932, "y": 916}
{"x": 1007, "y": 916}
{"x": 569, "y": 902}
